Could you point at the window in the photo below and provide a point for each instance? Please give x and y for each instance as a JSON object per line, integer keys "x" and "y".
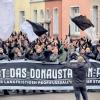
{"x": 22, "y": 16}
{"x": 48, "y": 21}
{"x": 47, "y": 15}
{"x": 41, "y": 15}
{"x": 95, "y": 17}
{"x": 35, "y": 16}
{"x": 75, "y": 11}
{"x": 55, "y": 22}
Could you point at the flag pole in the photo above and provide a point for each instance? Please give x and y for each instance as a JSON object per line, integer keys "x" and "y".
{"x": 69, "y": 42}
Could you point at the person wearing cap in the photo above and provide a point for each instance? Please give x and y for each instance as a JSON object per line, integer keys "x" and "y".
{"x": 79, "y": 70}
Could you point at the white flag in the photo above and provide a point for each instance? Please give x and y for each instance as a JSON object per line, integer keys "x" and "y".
{"x": 27, "y": 28}
{"x": 6, "y": 18}
{"x": 33, "y": 30}
{"x": 91, "y": 34}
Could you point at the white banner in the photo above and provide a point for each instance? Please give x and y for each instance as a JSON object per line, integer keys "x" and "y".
{"x": 6, "y": 18}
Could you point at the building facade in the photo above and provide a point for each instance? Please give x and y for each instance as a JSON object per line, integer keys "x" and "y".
{"x": 55, "y": 15}
{"x": 22, "y": 12}
{"x": 72, "y": 8}
{"x": 37, "y": 11}
{"x": 95, "y": 15}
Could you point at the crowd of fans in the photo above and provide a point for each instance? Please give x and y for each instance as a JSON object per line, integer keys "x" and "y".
{"x": 46, "y": 48}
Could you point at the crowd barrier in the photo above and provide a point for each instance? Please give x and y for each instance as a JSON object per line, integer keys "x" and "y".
{"x": 34, "y": 75}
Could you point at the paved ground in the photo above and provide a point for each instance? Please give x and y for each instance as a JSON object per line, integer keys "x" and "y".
{"x": 56, "y": 96}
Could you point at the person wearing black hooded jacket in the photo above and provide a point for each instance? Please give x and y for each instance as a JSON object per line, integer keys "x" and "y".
{"x": 79, "y": 70}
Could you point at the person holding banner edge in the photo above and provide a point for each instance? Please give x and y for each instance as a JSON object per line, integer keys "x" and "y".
{"x": 79, "y": 70}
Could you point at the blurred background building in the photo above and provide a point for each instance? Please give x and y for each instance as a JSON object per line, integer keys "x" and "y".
{"x": 55, "y": 15}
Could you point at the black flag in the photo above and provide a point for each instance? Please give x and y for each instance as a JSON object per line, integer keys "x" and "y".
{"x": 82, "y": 22}
{"x": 86, "y": 25}
{"x": 33, "y": 30}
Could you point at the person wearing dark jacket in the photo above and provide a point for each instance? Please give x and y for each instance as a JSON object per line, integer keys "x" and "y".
{"x": 2, "y": 55}
{"x": 39, "y": 54}
{"x": 18, "y": 54}
{"x": 89, "y": 54}
{"x": 79, "y": 70}
{"x": 48, "y": 53}
{"x": 98, "y": 55}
